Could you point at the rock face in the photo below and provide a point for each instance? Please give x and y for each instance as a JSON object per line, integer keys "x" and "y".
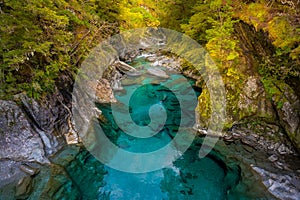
{"x": 43, "y": 116}
{"x": 18, "y": 140}
{"x": 30, "y": 132}
{"x": 21, "y": 142}
{"x": 282, "y": 186}
{"x": 10, "y": 172}
{"x": 287, "y": 106}
{"x": 251, "y": 99}
{"x": 271, "y": 172}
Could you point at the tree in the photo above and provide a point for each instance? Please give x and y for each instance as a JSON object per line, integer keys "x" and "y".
{"x": 42, "y": 38}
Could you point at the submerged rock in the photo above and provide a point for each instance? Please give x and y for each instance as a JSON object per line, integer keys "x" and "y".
{"x": 24, "y": 188}
{"x": 132, "y": 80}
{"x": 55, "y": 183}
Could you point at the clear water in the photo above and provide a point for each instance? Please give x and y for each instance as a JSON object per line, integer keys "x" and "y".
{"x": 188, "y": 177}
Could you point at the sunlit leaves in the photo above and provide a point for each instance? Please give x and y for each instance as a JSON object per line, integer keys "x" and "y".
{"x": 283, "y": 33}
{"x": 137, "y": 14}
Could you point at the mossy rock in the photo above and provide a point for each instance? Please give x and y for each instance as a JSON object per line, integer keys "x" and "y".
{"x": 287, "y": 106}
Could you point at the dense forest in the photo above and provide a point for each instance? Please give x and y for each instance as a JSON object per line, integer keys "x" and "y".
{"x": 41, "y": 39}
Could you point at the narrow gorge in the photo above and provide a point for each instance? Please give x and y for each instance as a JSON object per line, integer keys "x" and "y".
{"x": 143, "y": 105}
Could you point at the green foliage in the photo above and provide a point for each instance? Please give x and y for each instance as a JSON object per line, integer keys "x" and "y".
{"x": 279, "y": 21}
{"x": 212, "y": 24}
{"x": 283, "y": 33}
{"x": 282, "y": 66}
{"x": 270, "y": 87}
{"x": 42, "y": 38}
{"x": 286, "y": 38}
{"x": 274, "y": 89}
{"x": 173, "y": 13}
{"x": 255, "y": 13}
{"x": 199, "y": 23}
{"x": 137, "y": 14}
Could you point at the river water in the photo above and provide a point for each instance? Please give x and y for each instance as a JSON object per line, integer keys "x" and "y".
{"x": 188, "y": 177}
